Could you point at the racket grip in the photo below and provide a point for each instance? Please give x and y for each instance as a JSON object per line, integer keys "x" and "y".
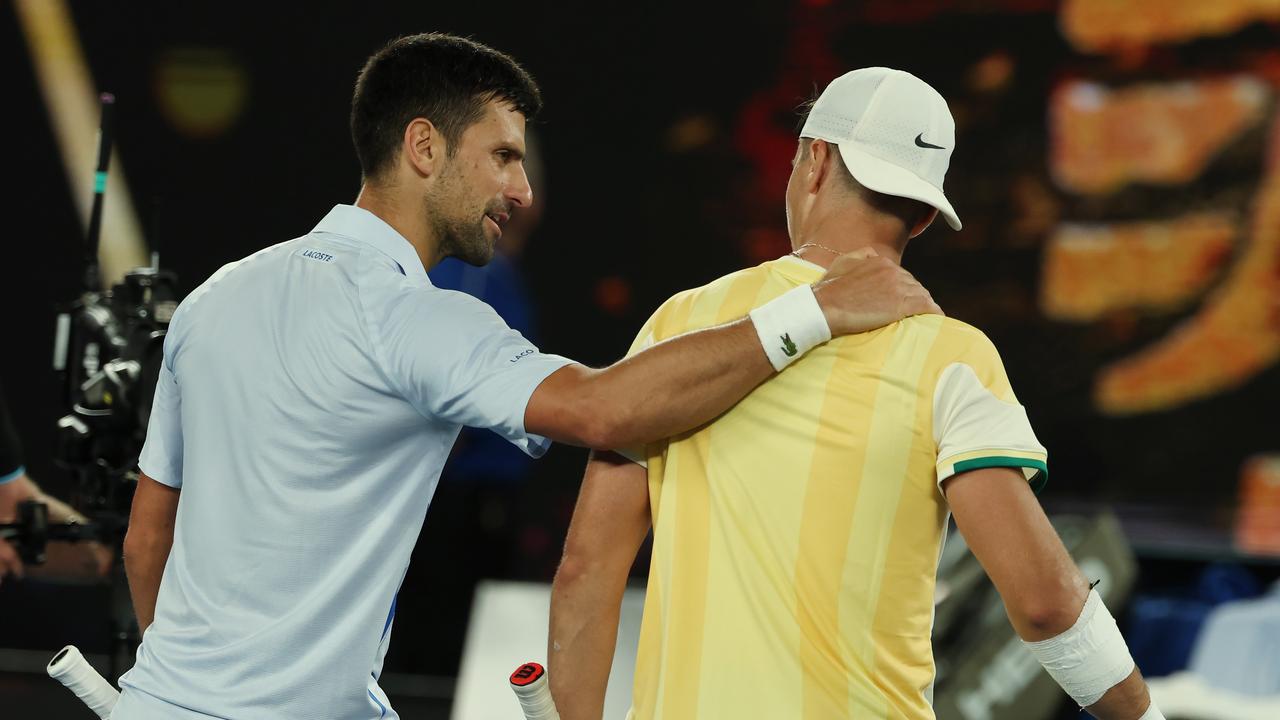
{"x": 71, "y": 669}
{"x": 533, "y": 690}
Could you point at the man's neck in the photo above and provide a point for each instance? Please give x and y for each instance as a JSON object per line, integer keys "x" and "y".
{"x": 412, "y": 224}
{"x": 842, "y": 233}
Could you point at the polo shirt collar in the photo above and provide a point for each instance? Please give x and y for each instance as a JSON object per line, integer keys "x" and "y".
{"x": 360, "y": 224}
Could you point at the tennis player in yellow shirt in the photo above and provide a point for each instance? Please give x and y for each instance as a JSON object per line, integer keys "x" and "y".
{"x": 796, "y": 537}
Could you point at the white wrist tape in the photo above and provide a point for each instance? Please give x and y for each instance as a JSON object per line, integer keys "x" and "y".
{"x": 1152, "y": 713}
{"x": 790, "y": 325}
{"x": 1088, "y": 659}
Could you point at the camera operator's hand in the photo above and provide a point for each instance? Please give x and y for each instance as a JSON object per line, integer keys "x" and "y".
{"x": 10, "y": 563}
{"x": 65, "y": 561}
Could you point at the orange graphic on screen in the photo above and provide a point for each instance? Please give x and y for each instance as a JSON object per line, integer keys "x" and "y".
{"x": 1161, "y": 134}
{"x": 1233, "y": 338}
{"x": 1100, "y": 25}
{"x": 1169, "y": 133}
{"x": 1092, "y": 270}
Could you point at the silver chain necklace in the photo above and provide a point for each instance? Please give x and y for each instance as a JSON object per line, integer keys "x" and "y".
{"x": 796, "y": 252}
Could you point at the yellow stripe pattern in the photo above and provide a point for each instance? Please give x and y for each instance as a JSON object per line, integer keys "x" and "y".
{"x": 796, "y": 538}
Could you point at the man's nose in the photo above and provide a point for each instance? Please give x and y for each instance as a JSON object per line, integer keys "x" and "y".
{"x": 519, "y": 192}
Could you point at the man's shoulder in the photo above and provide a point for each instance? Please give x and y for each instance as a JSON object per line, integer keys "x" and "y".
{"x": 428, "y": 297}
{"x": 950, "y": 330}
{"x": 220, "y": 276}
{"x": 716, "y": 290}
{"x": 423, "y": 312}
{"x": 957, "y": 343}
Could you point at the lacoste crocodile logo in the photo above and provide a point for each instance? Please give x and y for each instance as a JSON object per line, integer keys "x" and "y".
{"x": 788, "y": 347}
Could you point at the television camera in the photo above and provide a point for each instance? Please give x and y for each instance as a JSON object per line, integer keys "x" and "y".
{"x": 108, "y": 348}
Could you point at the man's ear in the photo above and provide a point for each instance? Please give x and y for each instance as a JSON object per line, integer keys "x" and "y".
{"x": 923, "y": 223}
{"x": 424, "y": 146}
{"x": 820, "y": 158}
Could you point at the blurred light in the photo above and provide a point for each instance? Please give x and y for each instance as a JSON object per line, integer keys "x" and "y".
{"x": 71, "y": 100}
{"x": 1258, "y": 519}
{"x": 202, "y": 92}
{"x": 613, "y": 295}
{"x": 1035, "y": 210}
{"x": 690, "y": 133}
{"x": 992, "y": 73}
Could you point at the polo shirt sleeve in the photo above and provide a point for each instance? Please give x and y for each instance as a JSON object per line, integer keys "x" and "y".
{"x": 455, "y": 359}
{"x": 977, "y": 420}
{"x": 161, "y": 457}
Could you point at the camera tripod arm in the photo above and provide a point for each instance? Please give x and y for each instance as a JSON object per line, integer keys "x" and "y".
{"x": 32, "y": 532}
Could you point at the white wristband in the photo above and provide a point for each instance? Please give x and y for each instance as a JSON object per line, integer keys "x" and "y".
{"x": 790, "y": 325}
{"x": 1088, "y": 659}
{"x": 1152, "y": 713}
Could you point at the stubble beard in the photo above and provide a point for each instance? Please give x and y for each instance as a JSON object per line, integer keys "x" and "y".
{"x": 461, "y": 234}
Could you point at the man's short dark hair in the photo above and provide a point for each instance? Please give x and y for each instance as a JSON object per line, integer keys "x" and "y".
{"x": 908, "y": 211}
{"x": 443, "y": 78}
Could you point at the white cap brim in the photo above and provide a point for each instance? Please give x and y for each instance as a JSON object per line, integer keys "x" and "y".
{"x": 885, "y": 177}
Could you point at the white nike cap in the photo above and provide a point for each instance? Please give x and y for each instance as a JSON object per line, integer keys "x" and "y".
{"x": 894, "y": 132}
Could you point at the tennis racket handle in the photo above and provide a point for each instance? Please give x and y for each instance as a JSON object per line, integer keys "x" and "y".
{"x": 71, "y": 669}
{"x": 533, "y": 690}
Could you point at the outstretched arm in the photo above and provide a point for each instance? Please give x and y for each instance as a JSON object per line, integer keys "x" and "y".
{"x": 609, "y": 524}
{"x": 688, "y": 380}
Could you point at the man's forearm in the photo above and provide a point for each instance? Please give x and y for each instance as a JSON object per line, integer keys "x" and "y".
{"x": 144, "y": 561}
{"x": 669, "y": 388}
{"x": 609, "y": 525}
{"x": 147, "y": 544}
{"x": 585, "y": 604}
{"x": 679, "y": 384}
{"x": 1118, "y": 702}
{"x": 1065, "y": 625}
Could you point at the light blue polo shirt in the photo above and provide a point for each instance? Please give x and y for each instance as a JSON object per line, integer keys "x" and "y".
{"x": 309, "y": 397}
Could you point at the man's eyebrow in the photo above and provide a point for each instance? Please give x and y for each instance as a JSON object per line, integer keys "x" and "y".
{"x": 509, "y": 147}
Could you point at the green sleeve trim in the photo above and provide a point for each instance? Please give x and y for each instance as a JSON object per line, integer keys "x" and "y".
{"x": 1038, "y": 481}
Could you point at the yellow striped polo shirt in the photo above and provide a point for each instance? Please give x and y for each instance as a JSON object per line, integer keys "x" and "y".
{"x": 796, "y": 538}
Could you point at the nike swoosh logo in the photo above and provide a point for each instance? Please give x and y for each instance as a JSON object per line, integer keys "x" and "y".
{"x": 921, "y": 143}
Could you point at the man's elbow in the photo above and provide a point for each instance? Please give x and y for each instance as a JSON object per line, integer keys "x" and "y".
{"x": 610, "y": 431}
{"x": 1049, "y": 619}
{"x": 141, "y": 541}
{"x": 602, "y": 424}
{"x": 1049, "y": 613}
{"x": 586, "y": 407}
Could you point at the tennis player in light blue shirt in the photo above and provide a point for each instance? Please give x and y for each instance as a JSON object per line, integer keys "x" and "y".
{"x": 309, "y": 398}
{"x": 310, "y": 394}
